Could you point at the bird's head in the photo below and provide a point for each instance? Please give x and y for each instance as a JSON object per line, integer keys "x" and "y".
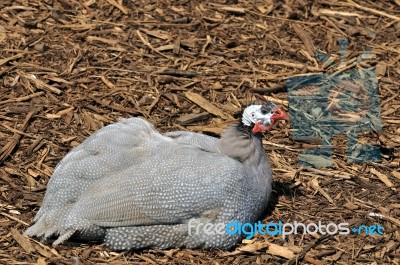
{"x": 261, "y": 118}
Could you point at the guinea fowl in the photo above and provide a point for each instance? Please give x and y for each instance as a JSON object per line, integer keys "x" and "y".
{"x": 132, "y": 187}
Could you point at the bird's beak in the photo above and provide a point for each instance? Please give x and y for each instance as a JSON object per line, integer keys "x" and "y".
{"x": 279, "y": 114}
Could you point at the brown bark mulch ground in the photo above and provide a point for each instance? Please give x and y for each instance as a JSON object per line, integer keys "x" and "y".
{"x": 68, "y": 68}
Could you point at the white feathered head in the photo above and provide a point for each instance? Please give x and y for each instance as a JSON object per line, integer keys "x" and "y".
{"x": 262, "y": 117}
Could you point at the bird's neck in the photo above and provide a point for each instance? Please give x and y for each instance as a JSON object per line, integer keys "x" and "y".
{"x": 240, "y": 143}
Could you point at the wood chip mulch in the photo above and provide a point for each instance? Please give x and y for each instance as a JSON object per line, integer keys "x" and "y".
{"x": 68, "y": 68}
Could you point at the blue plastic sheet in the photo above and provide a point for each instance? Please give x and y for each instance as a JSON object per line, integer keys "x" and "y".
{"x": 342, "y": 102}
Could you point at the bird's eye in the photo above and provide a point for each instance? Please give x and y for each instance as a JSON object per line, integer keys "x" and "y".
{"x": 265, "y": 110}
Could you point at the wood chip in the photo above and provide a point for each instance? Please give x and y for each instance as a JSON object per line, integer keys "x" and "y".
{"x": 372, "y": 10}
{"x": 386, "y": 217}
{"x": 315, "y": 185}
{"x": 291, "y": 65}
{"x": 147, "y": 43}
{"x": 58, "y": 80}
{"x": 351, "y": 206}
{"x": 305, "y": 38}
{"x": 42, "y": 251}
{"x": 313, "y": 261}
{"x": 22, "y": 241}
{"x": 254, "y": 247}
{"x": 380, "y": 69}
{"x": 53, "y": 116}
{"x": 12, "y": 58}
{"x": 382, "y": 177}
{"x": 41, "y": 261}
{"x": 329, "y": 12}
{"x": 336, "y": 256}
{"x": 235, "y": 10}
{"x": 13, "y": 142}
{"x": 192, "y": 117}
{"x": 40, "y": 84}
{"x": 107, "y": 82}
{"x": 119, "y": 6}
{"x": 14, "y": 218}
{"x": 277, "y": 101}
{"x": 280, "y": 251}
{"x": 146, "y": 259}
{"x": 65, "y": 111}
{"x": 104, "y": 40}
{"x": 396, "y": 174}
{"x": 207, "y": 129}
{"x": 176, "y": 72}
{"x": 89, "y": 3}
{"x": 393, "y": 121}
{"x": 177, "y": 46}
{"x": 205, "y": 104}
{"x": 164, "y": 35}
{"x": 25, "y": 98}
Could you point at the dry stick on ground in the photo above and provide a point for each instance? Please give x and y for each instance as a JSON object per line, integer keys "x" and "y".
{"x": 115, "y": 107}
{"x": 119, "y": 6}
{"x": 176, "y": 72}
{"x": 269, "y": 90}
{"x": 234, "y": 10}
{"x": 371, "y": 10}
{"x": 4, "y": 176}
{"x": 147, "y": 43}
{"x": 382, "y": 177}
{"x": 305, "y": 250}
{"x": 208, "y": 106}
{"x": 386, "y": 217}
{"x": 22, "y": 241}
{"x": 11, "y": 58}
{"x": 342, "y": 175}
{"x": 146, "y": 259}
{"x": 10, "y": 145}
{"x": 14, "y": 218}
{"x": 103, "y": 40}
{"x": 18, "y": 131}
{"x": 277, "y": 101}
{"x": 334, "y": 25}
{"x": 32, "y": 147}
{"x": 335, "y": 13}
{"x": 305, "y": 38}
{"x": 189, "y": 118}
{"x": 107, "y": 82}
{"x": 292, "y": 65}
{"x": 313, "y": 261}
{"x": 40, "y": 84}
{"x": 155, "y": 101}
{"x": 24, "y": 98}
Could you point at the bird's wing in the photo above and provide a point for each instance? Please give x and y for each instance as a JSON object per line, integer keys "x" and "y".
{"x": 171, "y": 184}
{"x": 129, "y": 174}
{"x": 201, "y": 141}
{"x": 97, "y": 158}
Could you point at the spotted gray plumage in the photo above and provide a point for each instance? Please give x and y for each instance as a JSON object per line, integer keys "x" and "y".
{"x": 135, "y": 188}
